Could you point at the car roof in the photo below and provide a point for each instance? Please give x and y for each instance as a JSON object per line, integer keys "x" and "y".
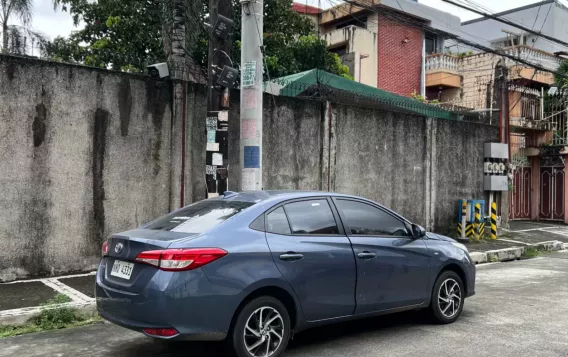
{"x": 274, "y": 195}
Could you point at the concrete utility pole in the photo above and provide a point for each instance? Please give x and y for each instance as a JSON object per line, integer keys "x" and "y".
{"x": 251, "y": 94}
{"x": 219, "y": 56}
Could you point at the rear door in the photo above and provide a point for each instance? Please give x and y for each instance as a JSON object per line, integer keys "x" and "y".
{"x": 392, "y": 267}
{"x": 314, "y": 255}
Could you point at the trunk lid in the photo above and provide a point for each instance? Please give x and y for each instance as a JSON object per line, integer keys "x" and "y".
{"x": 125, "y": 247}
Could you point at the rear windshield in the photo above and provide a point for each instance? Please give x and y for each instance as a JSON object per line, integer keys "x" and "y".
{"x": 199, "y": 217}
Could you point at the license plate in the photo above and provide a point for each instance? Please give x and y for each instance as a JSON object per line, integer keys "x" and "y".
{"x": 122, "y": 269}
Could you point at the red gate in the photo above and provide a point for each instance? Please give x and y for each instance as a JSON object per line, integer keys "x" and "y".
{"x": 521, "y": 195}
{"x": 552, "y": 188}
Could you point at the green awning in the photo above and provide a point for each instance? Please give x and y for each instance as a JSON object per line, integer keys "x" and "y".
{"x": 297, "y": 85}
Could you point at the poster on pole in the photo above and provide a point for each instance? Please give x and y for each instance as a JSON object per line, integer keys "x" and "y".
{"x": 248, "y": 179}
{"x": 248, "y": 74}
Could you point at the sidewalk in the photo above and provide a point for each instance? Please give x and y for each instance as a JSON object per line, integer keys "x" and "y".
{"x": 21, "y": 299}
{"x": 522, "y": 234}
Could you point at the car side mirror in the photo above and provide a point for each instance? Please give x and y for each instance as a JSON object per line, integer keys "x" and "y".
{"x": 418, "y": 231}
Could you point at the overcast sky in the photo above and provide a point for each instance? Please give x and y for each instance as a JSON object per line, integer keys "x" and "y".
{"x": 57, "y": 23}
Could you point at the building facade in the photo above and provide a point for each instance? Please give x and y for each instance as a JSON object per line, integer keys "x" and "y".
{"x": 386, "y": 48}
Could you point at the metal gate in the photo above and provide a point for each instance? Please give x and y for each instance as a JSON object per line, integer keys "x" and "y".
{"x": 521, "y": 195}
{"x": 552, "y": 173}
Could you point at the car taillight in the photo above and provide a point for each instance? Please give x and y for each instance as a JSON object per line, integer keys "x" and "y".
{"x": 104, "y": 249}
{"x": 180, "y": 259}
{"x": 161, "y": 332}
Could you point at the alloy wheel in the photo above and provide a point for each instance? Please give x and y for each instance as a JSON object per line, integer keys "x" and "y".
{"x": 449, "y": 298}
{"x": 264, "y": 331}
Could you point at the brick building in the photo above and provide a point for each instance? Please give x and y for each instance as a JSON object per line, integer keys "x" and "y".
{"x": 385, "y": 48}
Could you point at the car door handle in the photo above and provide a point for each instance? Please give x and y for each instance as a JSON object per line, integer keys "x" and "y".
{"x": 366, "y": 255}
{"x": 290, "y": 257}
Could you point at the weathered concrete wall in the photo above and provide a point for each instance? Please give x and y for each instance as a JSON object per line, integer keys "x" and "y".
{"x": 292, "y": 146}
{"x": 381, "y": 156}
{"x": 419, "y": 167}
{"x": 84, "y": 153}
{"x": 457, "y": 167}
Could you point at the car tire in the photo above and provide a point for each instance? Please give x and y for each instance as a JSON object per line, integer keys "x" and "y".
{"x": 274, "y": 337}
{"x": 447, "y": 302}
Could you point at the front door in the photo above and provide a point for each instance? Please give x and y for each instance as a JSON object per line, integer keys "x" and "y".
{"x": 392, "y": 267}
{"x": 312, "y": 252}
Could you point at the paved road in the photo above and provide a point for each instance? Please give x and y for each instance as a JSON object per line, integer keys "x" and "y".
{"x": 521, "y": 309}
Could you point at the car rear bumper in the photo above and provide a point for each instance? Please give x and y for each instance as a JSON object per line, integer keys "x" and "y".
{"x": 186, "y": 301}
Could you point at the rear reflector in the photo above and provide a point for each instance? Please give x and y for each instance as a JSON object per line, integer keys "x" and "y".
{"x": 104, "y": 249}
{"x": 180, "y": 259}
{"x": 161, "y": 332}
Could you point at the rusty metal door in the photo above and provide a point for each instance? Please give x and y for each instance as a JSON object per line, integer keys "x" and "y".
{"x": 520, "y": 198}
{"x": 552, "y": 173}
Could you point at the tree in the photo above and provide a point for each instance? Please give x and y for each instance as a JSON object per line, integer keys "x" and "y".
{"x": 132, "y": 33}
{"x": 117, "y": 34}
{"x": 562, "y": 81}
{"x": 14, "y": 38}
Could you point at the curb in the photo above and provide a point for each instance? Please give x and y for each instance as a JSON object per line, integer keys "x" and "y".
{"x": 514, "y": 253}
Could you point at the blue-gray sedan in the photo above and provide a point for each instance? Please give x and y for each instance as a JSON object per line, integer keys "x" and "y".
{"x": 253, "y": 268}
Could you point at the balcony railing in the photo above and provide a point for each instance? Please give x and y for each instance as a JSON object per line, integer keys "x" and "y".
{"x": 531, "y": 55}
{"x": 440, "y": 61}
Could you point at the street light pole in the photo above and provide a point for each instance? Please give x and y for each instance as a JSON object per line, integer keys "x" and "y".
{"x": 251, "y": 94}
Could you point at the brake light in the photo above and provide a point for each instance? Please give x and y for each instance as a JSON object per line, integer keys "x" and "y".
{"x": 180, "y": 259}
{"x": 104, "y": 248}
{"x": 161, "y": 332}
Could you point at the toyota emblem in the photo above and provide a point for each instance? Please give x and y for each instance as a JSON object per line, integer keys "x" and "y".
{"x": 118, "y": 248}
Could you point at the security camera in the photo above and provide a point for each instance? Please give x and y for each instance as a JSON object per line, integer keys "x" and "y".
{"x": 158, "y": 70}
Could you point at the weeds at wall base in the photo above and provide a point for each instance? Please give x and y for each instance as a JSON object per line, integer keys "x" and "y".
{"x": 51, "y": 317}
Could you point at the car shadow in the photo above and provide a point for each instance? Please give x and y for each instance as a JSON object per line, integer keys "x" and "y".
{"x": 306, "y": 340}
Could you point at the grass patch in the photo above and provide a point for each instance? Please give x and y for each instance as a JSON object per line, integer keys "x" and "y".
{"x": 493, "y": 259}
{"x": 531, "y": 252}
{"x": 51, "y": 317}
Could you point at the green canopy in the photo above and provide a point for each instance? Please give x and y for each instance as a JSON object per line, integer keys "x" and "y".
{"x": 315, "y": 81}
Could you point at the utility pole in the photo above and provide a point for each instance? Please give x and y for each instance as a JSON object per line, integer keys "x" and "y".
{"x": 251, "y": 94}
{"x": 504, "y": 135}
{"x": 219, "y": 56}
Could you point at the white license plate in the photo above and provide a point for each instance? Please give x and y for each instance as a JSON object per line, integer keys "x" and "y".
{"x": 122, "y": 269}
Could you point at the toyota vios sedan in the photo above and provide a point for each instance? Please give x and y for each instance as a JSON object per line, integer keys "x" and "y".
{"x": 254, "y": 268}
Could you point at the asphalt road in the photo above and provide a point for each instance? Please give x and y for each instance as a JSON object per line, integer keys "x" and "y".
{"x": 521, "y": 309}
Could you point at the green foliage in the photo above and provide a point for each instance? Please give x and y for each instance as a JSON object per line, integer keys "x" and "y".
{"x": 116, "y": 34}
{"x": 52, "y": 316}
{"x": 531, "y": 252}
{"x": 129, "y": 34}
{"x": 562, "y": 82}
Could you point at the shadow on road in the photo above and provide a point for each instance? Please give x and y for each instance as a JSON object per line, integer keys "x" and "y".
{"x": 302, "y": 342}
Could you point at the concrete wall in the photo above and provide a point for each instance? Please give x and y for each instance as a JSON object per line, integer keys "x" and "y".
{"x": 419, "y": 167}
{"x": 84, "y": 153}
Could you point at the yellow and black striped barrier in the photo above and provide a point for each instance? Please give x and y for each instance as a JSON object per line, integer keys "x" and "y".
{"x": 493, "y": 220}
{"x": 477, "y": 223}
{"x": 463, "y": 218}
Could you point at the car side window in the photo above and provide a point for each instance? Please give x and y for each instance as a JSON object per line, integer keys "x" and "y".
{"x": 276, "y": 222}
{"x": 311, "y": 217}
{"x": 367, "y": 220}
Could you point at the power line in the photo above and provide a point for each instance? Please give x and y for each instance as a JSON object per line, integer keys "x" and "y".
{"x": 508, "y": 22}
{"x": 397, "y": 17}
